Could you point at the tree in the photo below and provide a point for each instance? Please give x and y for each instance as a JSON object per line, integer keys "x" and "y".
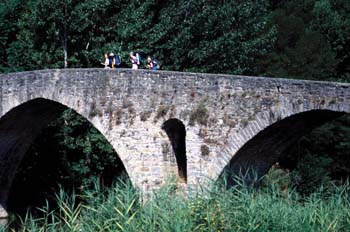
{"x": 212, "y": 36}
{"x": 9, "y": 13}
{"x": 60, "y": 22}
{"x": 22, "y": 52}
{"x": 332, "y": 19}
{"x": 62, "y": 33}
{"x": 85, "y": 153}
{"x": 312, "y": 40}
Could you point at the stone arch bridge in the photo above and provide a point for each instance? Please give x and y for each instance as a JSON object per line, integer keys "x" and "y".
{"x": 167, "y": 123}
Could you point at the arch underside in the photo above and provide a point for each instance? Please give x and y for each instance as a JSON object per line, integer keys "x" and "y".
{"x": 176, "y": 132}
{"x": 256, "y": 157}
{"x": 18, "y": 130}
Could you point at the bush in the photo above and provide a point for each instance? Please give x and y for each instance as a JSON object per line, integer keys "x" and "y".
{"x": 199, "y": 115}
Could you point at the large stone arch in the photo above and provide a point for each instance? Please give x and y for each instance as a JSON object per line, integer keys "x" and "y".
{"x": 270, "y": 144}
{"x": 226, "y": 151}
{"x": 19, "y": 127}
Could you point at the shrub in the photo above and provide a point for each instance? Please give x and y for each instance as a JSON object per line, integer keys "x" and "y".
{"x": 199, "y": 115}
{"x": 205, "y": 150}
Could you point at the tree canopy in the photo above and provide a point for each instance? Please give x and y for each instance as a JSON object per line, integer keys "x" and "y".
{"x": 277, "y": 38}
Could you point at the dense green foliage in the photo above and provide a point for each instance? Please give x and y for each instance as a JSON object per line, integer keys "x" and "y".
{"x": 212, "y": 36}
{"x": 294, "y": 39}
{"x": 237, "y": 209}
{"x": 84, "y": 151}
{"x": 312, "y": 41}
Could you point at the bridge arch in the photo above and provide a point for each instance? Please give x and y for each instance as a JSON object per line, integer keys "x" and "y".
{"x": 269, "y": 145}
{"x": 176, "y": 131}
{"x": 19, "y": 128}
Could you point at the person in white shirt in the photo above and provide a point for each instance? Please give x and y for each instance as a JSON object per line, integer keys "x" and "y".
{"x": 133, "y": 60}
{"x": 106, "y": 63}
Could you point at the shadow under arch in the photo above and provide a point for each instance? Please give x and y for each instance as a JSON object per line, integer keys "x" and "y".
{"x": 254, "y": 159}
{"x": 18, "y": 130}
{"x": 176, "y": 132}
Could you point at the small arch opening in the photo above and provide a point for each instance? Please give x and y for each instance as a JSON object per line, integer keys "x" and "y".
{"x": 176, "y": 132}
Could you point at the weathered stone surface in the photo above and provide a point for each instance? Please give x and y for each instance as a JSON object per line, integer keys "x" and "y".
{"x": 129, "y": 107}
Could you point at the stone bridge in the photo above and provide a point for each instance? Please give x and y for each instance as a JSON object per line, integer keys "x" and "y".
{"x": 168, "y": 123}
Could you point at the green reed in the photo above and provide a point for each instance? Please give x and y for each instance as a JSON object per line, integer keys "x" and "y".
{"x": 240, "y": 208}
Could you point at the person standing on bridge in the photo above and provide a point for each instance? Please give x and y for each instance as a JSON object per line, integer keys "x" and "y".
{"x": 133, "y": 60}
{"x": 152, "y": 64}
{"x": 149, "y": 64}
{"x": 111, "y": 60}
{"x": 106, "y": 63}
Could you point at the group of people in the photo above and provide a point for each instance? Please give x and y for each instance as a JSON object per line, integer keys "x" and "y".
{"x": 114, "y": 61}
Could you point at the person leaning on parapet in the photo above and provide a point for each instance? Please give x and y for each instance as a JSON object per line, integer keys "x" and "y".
{"x": 133, "y": 60}
{"x": 106, "y": 63}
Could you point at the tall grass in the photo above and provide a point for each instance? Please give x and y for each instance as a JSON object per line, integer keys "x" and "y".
{"x": 238, "y": 209}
